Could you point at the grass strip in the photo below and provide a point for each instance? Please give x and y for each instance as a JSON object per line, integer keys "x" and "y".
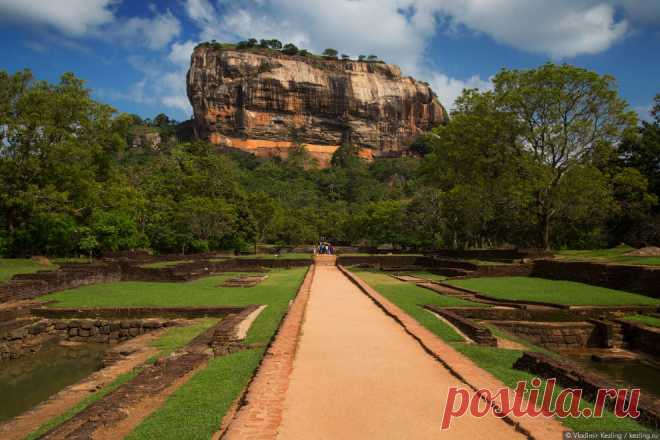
{"x": 195, "y": 410}
{"x": 651, "y": 321}
{"x": 14, "y": 266}
{"x": 412, "y": 298}
{"x": 553, "y": 291}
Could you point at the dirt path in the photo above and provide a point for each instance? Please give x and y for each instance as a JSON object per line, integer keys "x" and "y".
{"x": 358, "y": 375}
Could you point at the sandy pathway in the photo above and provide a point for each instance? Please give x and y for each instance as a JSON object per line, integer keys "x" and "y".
{"x": 358, "y": 375}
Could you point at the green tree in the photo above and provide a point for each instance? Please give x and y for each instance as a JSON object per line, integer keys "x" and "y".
{"x": 57, "y": 149}
{"x": 567, "y": 117}
{"x": 290, "y": 49}
{"x": 275, "y": 44}
{"x": 330, "y": 53}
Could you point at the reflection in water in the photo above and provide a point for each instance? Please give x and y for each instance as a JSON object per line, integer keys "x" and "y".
{"x": 630, "y": 371}
{"x": 636, "y": 373}
{"x": 30, "y": 380}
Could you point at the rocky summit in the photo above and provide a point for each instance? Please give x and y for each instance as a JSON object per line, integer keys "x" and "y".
{"x": 267, "y": 102}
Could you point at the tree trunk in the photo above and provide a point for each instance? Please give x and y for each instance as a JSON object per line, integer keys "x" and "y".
{"x": 545, "y": 230}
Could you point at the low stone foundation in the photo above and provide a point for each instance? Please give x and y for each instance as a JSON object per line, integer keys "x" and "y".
{"x": 475, "y": 331}
{"x": 28, "y": 338}
{"x": 554, "y": 335}
{"x": 569, "y": 375}
{"x": 639, "y": 279}
{"x": 641, "y": 337}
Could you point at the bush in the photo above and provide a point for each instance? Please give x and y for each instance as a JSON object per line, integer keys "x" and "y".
{"x": 290, "y": 49}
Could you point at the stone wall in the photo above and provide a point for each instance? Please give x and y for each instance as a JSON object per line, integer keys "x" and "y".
{"x": 492, "y": 254}
{"x": 639, "y": 279}
{"x": 475, "y": 331}
{"x": 554, "y": 335}
{"x": 28, "y": 338}
{"x": 27, "y": 286}
{"x": 641, "y": 337}
{"x": 504, "y": 270}
{"x": 546, "y": 315}
{"x": 137, "y": 312}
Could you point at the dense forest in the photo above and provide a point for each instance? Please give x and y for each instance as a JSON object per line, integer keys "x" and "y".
{"x": 551, "y": 157}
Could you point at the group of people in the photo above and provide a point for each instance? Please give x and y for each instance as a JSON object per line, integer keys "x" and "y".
{"x": 324, "y": 248}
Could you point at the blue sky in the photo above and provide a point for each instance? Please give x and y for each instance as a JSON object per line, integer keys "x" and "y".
{"x": 134, "y": 55}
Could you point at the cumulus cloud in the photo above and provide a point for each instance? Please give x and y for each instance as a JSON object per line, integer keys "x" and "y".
{"x": 399, "y": 31}
{"x": 154, "y": 33}
{"x": 95, "y": 18}
{"x": 72, "y": 17}
{"x": 561, "y": 28}
{"x": 448, "y": 89}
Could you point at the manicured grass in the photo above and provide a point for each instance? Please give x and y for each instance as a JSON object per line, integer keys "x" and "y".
{"x": 554, "y": 291}
{"x": 12, "y": 266}
{"x": 161, "y": 264}
{"x": 613, "y": 255}
{"x": 411, "y": 298}
{"x": 176, "y": 337}
{"x": 498, "y": 361}
{"x": 195, "y": 410}
{"x": 651, "y": 321}
{"x": 276, "y": 292}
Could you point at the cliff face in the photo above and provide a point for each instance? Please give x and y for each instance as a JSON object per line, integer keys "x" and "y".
{"x": 264, "y": 101}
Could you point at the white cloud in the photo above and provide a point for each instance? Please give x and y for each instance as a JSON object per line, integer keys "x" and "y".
{"x": 561, "y": 28}
{"x": 95, "y": 18}
{"x": 72, "y": 17}
{"x": 153, "y": 33}
{"x": 399, "y": 31}
{"x": 448, "y": 89}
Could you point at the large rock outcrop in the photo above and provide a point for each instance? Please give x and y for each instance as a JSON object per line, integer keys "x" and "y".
{"x": 267, "y": 102}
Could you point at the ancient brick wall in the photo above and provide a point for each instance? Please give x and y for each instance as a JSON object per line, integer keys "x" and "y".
{"x": 554, "y": 335}
{"x": 639, "y": 279}
{"x": 641, "y": 337}
{"x": 475, "y": 331}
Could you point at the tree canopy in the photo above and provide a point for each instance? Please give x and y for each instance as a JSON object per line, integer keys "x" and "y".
{"x": 550, "y": 157}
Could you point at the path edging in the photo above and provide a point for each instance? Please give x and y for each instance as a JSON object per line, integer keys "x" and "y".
{"x": 258, "y": 412}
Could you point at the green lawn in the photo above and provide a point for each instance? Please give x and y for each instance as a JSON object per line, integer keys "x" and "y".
{"x": 612, "y": 255}
{"x": 161, "y": 264}
{"x": 195, "y": 410}
{"x": 176, "y": 337}
{"x": 276, "y": 291}
{"x": 651, "y": 321}
{"x": 12, "y": 266}
{"x": 498, "y": 361}
{"x": 553, "y": 291}
{"x": 411, "y": 298}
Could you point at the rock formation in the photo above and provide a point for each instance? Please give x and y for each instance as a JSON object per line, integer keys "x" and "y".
{"x": 267, "y": 102}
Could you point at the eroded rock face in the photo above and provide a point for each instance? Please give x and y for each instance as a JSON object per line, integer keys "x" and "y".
{"x": 263, "y": 101}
